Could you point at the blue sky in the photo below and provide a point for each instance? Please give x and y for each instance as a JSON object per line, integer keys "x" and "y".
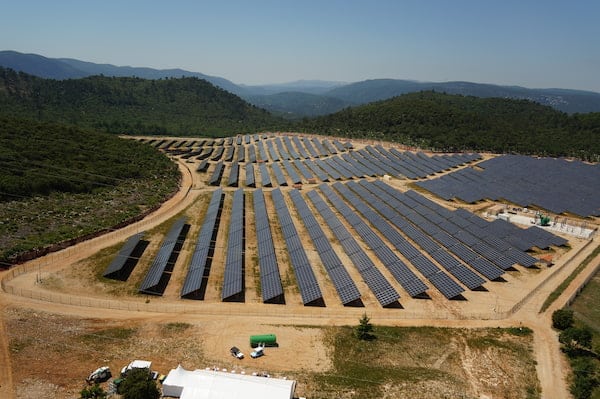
{"x": 536, "y": 44}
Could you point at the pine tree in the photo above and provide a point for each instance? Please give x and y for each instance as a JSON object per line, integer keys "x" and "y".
{"x": 364, "y": 328}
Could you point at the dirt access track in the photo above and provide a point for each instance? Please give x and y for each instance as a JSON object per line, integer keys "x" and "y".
{"x": 19, "y": 290}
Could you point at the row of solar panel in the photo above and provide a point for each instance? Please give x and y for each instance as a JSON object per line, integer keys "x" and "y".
{"x": 204, "y": 246}
{"x": 158, "y": 268}
{"x": 233, "y": 281}
{"x": 270, "y": 279}
{"x": 426, "y": 235}
{"x": 305, "y": 277}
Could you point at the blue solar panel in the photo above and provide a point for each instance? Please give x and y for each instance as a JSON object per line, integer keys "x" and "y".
{"x": 233, "y": 281}
{"x": 154, "y": 282}
{"x": 272, "y": 290}
{"x": 307, "y": 282}
{"x": 204, "y": 247}
{"x": 389, "y": 259}
{"x": 116, "y": 266}
{"x": 381, "y": 288}
{"x": 340, "y": 278}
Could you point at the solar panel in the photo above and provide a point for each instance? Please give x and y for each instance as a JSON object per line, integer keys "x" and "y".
{"x": 233, "y": 281}
{"x": 305, "y": 277}
{"x": 279, "y": 176}
{"x": 527, "y": 180}
{"x": 158, "y": 275}
{"x": 340, "y": 278}
{"x": 116, "y": 267}
{"x": 409, "y": 281}
{"x": 265, "y": 178}
{"x": 381, "y": 288}
{"x": 291, "y": 172}
{"x": 215, "y": 178}
{"x": 486, "y": 268}
{"x": 233, "y": 175}
{"x": 204, "y": 247}
{"x": 470, "y": 279}
{"x": 272, "y": 290}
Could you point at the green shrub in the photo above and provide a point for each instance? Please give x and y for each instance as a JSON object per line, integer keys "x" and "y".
{"x": 562, "y": 319}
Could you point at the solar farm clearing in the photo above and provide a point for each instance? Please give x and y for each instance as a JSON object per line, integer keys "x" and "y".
{"x": 287, "y": 221}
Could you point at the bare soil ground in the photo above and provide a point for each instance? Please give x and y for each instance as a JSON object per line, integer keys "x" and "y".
{"x": 52, "y": 346}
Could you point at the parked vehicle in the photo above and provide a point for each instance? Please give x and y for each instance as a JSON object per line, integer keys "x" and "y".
{"x": 258, "y": 351}
{"x": 136, "y": 364}
{"x": 235, "y": 352}
{"x": 101, "y": 374}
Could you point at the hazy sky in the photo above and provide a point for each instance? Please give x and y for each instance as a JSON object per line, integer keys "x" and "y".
{"x": 529, "y": 43}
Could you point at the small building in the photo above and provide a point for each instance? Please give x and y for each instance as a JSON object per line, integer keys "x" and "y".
{"x": 209, "y": 384}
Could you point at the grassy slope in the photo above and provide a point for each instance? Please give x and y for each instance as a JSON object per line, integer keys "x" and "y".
{"x": 404, "y": 361}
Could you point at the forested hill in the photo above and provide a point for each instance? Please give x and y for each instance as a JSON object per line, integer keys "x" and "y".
{"x": 183, "y": 106}
{"x": 454, "y": 122}
{"x": 39, "y": 158}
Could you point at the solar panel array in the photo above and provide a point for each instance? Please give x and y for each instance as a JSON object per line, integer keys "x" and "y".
{"x": 425, "y": 236}
{"x": 203, "y": 166}
{"x": 114, "y": 268}
{"x": 251, "y": 153}
{"x": 305, "y": 277}
{"x": 233, "y": 281}
{"x": 381, "y": 288}
{"x": 205, "y": 244}
{"x": 409, "y": 281}
{"x": 272, "y": 290}
{"x": 291, "y": 172}
{"x": 154, "y": 276}
{"x": 448, "y": 287}
{"x": 338, "y": 274}
{"x": 463, "y": 227}
{"x": 553, "y": 184}
{"x": 523, "y": 239}
{"x": 321, "y": 175}
{"x": 333, "y": 161}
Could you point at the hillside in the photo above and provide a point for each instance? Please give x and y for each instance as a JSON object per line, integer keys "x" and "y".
{"x": 59, "y": 182}
{"x": 453, "y": 122}
{"x": 184, "y": 106}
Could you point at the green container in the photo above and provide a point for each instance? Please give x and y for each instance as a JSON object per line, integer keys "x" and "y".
{"x": 266, "y": 339}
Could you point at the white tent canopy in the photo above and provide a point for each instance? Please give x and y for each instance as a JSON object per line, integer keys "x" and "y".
{"x": 208, "y": 384}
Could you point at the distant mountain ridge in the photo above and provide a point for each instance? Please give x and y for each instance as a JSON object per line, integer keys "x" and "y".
{"x": 69, "y": 68}
{"x": 290, "y": 99}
